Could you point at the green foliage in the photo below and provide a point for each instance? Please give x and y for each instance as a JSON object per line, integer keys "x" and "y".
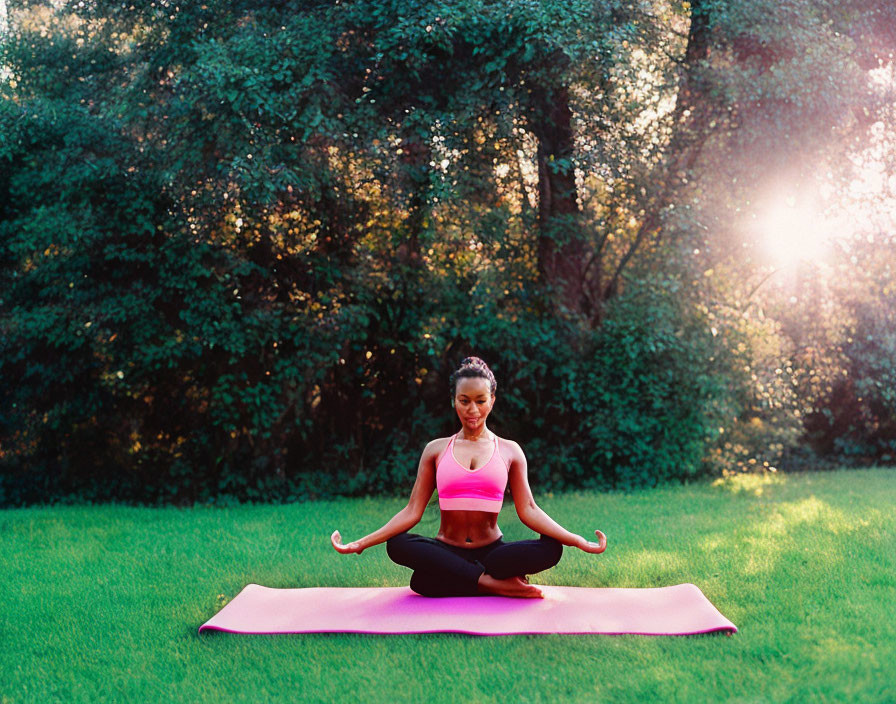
{"x": 849, "y": 390}
{"x": 661, "y": 394}
{"x": 637, "y": 402}
{"x": 243, "y": 245}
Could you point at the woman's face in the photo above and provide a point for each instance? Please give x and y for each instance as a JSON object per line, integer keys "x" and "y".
{"x": 473, "y": 401}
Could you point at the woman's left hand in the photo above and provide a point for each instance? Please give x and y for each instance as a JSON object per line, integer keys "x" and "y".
{"x": 591, "y": 546}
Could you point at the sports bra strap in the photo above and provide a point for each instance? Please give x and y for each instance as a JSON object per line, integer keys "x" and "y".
{"x": 447, "y": 447}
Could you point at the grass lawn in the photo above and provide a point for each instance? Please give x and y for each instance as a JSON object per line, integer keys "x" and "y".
{"x": 103, "y": 603}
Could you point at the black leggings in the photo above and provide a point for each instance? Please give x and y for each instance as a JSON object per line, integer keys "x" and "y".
{"x": 441, "y": 569}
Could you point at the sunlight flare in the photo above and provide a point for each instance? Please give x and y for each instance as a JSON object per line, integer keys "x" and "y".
{"x": 792, "y": 232}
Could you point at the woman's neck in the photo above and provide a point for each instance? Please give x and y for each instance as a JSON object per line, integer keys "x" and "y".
{"x": 473, "y": 438}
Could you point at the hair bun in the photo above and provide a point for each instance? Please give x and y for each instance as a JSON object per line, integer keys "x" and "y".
{"x": 473, "y": 367}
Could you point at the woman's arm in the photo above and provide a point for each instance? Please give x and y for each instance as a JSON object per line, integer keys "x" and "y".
{"x": 410, "y": 515}
{"x": 534, "y": 517}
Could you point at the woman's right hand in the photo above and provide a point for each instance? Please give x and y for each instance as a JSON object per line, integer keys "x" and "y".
{"x": 336, "y": 539}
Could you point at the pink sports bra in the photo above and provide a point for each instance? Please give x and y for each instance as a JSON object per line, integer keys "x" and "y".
{"x": 462, "y": 489}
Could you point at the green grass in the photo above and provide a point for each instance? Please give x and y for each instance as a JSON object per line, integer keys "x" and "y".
{"x": 103, "y": 603}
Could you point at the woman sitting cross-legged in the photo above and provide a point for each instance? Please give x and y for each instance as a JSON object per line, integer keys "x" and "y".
{"x": 470, "y": 470}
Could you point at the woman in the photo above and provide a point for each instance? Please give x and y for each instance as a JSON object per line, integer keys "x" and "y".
{"x": 471, "y": 470}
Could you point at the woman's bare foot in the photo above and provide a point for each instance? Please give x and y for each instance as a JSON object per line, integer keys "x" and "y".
{"x": 513, "y": 586}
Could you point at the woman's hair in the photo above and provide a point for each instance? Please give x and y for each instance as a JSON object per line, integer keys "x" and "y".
{"x": 473, "y": 367}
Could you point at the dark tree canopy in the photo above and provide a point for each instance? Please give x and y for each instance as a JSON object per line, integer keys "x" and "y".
{"x": 244, "y": 244}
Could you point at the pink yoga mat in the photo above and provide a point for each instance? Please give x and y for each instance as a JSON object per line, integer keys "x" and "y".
{"x": 677, "y": 610}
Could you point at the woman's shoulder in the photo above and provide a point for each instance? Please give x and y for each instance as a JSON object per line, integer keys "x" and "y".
{"x": 507, "y": 442}
{"x": 510, "y": 450}
{"x": 435, "y": 447}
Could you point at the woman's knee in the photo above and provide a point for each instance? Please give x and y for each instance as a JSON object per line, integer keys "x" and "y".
{"x": 396, "y": 546}
{"x": 423, "y": 586}
{"x": 553, "y": 549}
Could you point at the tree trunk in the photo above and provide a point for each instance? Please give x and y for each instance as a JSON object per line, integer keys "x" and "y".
{"x": 690, "y": 116}
{"x": 561, "y": 248}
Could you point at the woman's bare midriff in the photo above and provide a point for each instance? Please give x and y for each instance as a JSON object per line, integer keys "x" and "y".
{"x": 469, "y": 529}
